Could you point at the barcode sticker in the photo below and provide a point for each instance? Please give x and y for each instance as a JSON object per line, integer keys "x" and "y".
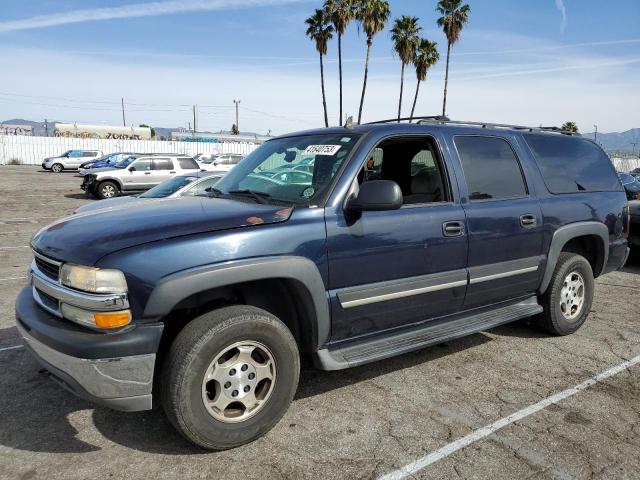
{"x": 322, "y": 149}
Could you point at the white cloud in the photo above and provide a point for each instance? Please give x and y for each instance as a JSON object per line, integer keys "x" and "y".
{"x": 563, "y": 11}
{"x": 133, "y": 10}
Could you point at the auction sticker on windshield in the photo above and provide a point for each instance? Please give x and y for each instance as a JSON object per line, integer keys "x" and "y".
{"x": 322, "y": 149}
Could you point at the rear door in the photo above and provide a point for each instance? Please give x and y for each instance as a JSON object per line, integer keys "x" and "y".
{"x": 504, "y": 221}
{"x": 161, "y": 170}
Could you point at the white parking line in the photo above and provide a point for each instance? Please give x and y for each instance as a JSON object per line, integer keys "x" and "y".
{"x": 12, "y": 278}
{"x": 13, "y": 248}
{"x": 416, "y": 466}
{"x": 15, "y": 347}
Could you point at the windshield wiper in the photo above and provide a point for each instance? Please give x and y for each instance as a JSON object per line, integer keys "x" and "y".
{"x": 260, "y": 197}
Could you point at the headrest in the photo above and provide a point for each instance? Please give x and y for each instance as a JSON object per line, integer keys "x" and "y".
{"x": 424, "y": 181}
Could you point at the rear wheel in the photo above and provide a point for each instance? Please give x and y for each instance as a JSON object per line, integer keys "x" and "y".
{"x": 230, "y": 376}
{"x": 568, "y": 298}
{"x": 57, "y": 168}
{"x": 107, "y": 190}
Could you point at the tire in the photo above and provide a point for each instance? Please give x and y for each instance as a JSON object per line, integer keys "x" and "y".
{"x": 567, "y": 301}
{"x": 107, "y": 190}
{"x": 195, "y": 352}
{"x": 57, "y": 168}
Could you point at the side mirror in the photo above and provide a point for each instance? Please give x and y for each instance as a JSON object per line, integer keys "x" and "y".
{"x": 376, "y": 195}
{"x": 132, "y": 169}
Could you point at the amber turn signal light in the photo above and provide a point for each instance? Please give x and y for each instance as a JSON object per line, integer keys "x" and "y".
{"x": 112, "y": 319}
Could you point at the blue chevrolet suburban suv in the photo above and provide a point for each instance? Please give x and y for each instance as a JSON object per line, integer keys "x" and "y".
{"x": 406, "y": 235}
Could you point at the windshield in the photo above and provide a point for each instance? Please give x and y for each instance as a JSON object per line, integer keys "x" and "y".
{"x": 124, "y": 163}
{"x": 167, "y": 188}
{"x": 270, "y": 169}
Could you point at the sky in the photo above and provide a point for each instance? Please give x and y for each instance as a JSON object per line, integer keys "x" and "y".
{"x": 528, "y": 62}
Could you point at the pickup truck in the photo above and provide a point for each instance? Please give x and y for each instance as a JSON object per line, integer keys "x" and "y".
{"x": 404, "y": 236}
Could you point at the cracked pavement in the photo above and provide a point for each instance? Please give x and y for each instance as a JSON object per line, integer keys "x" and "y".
{"x": 352, "y": 424}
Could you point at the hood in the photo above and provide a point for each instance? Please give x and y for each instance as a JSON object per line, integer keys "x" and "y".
{"x": 109, "y": 203}
{"x": 104, "y": 169}
{"x": 87, "y": 237}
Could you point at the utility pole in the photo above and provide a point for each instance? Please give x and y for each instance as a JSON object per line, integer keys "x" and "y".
{"x": 124, "y": 122}
{"x": 195, "y": 124}
{"x": 237, "y": 102}
{"x": 595, "y": 134}
{"x": 633, "y": 149}
{"x": 46, "y": 128}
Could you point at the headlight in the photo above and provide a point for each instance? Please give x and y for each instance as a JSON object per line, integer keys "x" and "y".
{"x": 90, "y": 279}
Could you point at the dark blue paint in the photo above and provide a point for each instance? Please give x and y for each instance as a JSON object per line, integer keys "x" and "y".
{"x": 149, "y": 242}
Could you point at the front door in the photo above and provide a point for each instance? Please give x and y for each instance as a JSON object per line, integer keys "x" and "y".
{"x": 139, "y": 174}
{"x": 394, "y": 268}
{"x": 161, "y": 169}
{"x": 504, "y": 221}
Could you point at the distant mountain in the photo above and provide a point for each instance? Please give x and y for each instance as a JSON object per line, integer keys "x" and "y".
{"x": 619, "y": 142}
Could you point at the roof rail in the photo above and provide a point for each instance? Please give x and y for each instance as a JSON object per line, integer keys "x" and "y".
{"x": 441, "y": 119}
{"x": 410, "y": 119}
{"x": 498, "y": 125}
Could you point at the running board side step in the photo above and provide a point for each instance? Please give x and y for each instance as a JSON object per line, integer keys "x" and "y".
{"x": 431, "y": 333}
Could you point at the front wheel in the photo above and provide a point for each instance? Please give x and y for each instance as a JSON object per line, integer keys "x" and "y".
{"x": 57, "y": 168}
{"x": 568, "y": 298}
{"x": 107, "y": 190}
{"x": 230, "y": 376}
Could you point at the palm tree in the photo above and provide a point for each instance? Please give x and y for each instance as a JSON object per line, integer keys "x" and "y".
{"x": 340, "y": 12}
{"x": 454, "y": 17}
{"x": 405, "y": 36}
{"x": 569, "y": 127}
{"x": 320, "y": 31}
{"x": 373, "y": 16}
{"x": 426, "y": 55}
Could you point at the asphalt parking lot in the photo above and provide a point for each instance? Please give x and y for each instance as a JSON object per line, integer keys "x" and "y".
{"x": 428, "y": 407}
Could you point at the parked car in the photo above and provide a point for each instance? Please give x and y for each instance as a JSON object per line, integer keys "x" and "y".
{"x": 631, "y": 185}
{"x": 223, "y": 162}
{"x": 189, "y": 184}
{"x": 136, "y": 175}
{"x": 105, "y": 161}
{"x": 634, "y": 223}
{"x": 69, "y": 160}
{"x": 209, "y": 302}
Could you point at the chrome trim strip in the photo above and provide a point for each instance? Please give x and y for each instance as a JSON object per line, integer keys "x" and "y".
{"x": 503, "y": 275}
{"x": 405, "y": 287}
{"x": 510, "y": 268}
{"x": 46, "y": 259}
{"x": 87, "y": 301}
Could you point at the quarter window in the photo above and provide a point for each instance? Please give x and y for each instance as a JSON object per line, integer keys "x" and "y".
{"x": 187, "y": 163}
{"x": 491, "y": 168}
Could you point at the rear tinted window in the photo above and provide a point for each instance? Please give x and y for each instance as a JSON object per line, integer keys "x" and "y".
{"x": 491, "y": 168}
{"x": 570, "y": 164}
{"x": 187, "y": 163}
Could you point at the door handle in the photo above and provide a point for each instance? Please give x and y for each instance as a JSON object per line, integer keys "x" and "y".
{"x": 172, "y": 172}
{"x": 453, "y": 229}
{"x": 147, "y": 173}
{"x": 528, "y": 220}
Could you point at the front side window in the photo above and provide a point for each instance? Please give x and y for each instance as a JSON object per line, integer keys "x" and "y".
{"x": 411, "y": 162}
{"x": 75, "y": 154}
{"x": 259, "y": 173}
{"x": 141, "y": 165}
{"x": 491, "y": 168}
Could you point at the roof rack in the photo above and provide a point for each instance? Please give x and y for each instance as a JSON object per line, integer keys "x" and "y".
{"x": 498, "y": 125}
{"x": 440, "y": 119}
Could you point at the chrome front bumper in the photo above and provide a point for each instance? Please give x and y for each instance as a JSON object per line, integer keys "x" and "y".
{"x": 123, "y": 383}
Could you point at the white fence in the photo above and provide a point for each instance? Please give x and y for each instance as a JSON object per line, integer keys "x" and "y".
{"x": 31, "y": 150}
{"x": 626, "y": 164}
